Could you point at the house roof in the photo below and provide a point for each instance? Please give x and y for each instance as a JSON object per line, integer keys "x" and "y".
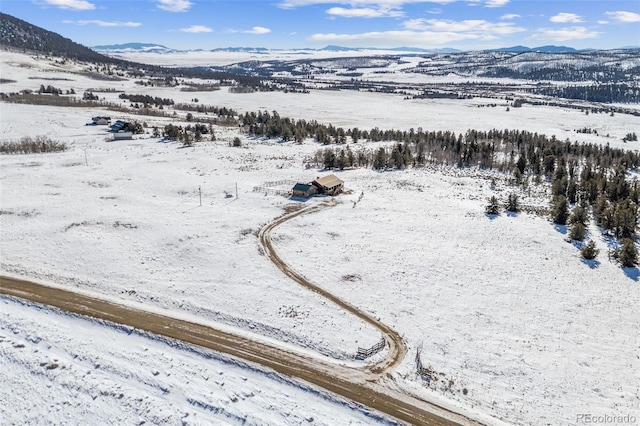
{"x": 329, "y": 181}
{"x": 118, "y": 125}
{"x": 304, "y": 187}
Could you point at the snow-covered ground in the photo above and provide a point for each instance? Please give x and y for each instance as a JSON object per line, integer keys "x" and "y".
{"x": 61, "y": 369}
{"x": 124, "y": 218}
{"x": 504, "y": 307}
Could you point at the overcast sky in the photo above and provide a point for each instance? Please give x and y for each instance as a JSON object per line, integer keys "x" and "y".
{"x": 462, "y": 24}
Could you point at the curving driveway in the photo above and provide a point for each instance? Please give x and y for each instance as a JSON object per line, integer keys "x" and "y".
{"x": 397, "y": 348}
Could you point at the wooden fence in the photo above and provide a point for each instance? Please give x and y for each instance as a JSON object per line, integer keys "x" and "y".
{"x": 366, "y": 353}
{"x": 427, "y": 373}
{"x": 268, "y": 187}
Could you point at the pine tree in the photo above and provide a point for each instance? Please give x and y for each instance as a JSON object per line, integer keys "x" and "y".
{"x": 560, "y": 210}
{"x": 512, "y": 203}
{"x": 589, "y": 251}
{"x": 493, "y": 208}
{"x": 629, "y": 253}
{"x": 577, "y": 231}
{"x": 579, "y": 215}
{"x": 329, "y": 159}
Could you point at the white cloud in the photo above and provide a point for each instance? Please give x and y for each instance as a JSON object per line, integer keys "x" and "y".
{"x": 565, "y": 18}
{"x": 365, "y": 12}
{"x": 393, "y": 38}
{"x": 174, "y": 5}
{"x": 481, "y": 28}
{"x": 254, "y": 30}
{"x": 381, "y": 4}
{"x": 624, "y": 16}
{"x": 71, "y": 4}
{"x": 104, "y": 23}
{"x": 510, "y": 16}
{"x": 424, "y": 32}
{"x": 496, "y": 3}
{"x": 194, "y": 29}
{"x": 258, "y": 30}
{"x": 564, "y": 34}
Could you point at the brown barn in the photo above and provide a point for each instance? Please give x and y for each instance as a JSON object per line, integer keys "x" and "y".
{"x": 330, "y": 185}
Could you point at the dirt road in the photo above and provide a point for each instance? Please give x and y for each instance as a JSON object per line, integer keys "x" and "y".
{"x": 397, "y": 348}
{"x": 353, "y": 384}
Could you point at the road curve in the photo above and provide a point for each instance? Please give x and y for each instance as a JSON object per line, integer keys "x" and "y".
{"x": 397, "y": 348}
{"x": 352, "y": 384}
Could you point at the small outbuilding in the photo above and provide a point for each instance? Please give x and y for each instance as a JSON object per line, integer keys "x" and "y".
{"x": 329, "y": 185}
{"x": 122, "y": 136}
{"x": 304, "y": 190}
{"x": 101, "y": 121}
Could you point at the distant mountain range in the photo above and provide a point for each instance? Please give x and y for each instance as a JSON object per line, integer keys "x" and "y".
{"x": 157, "y": 48}
{"x": 134, "y": 47}
{"x": 20, "y": 34}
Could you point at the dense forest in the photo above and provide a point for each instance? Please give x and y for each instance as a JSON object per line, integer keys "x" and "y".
{"x": 604, "y": 93}
{"x": 597, "y": 73}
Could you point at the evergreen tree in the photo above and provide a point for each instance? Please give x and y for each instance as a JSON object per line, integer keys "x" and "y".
{"x": 560, "y": 212}
{"x": 589, "y": 251}
{"x": 625, "y": 219}
{"x": 493, "y": 208}
{"x": 329, "y": 159}
{"x": 577, "y": 231}
{"x": 579, "y": 215}
{"x": 629, "y": 253}
{"x": 512, "y": 203}
{"x": 380, "y": 159}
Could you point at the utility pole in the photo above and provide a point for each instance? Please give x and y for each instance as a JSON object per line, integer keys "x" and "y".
{"x": 200, "y": 193}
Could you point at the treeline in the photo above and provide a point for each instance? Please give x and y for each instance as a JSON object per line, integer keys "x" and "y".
{"x": 604, "y": 93}
{"x": 43, "y": 99}
{"x": 187, "y": 135}
{"x": 147, "y": 100}
{"x": 205, "y": 109}
{"x": 516, "y": 151}
{"x": 598, "y": 73}
{"x": 495, "y": 149}
{"x": 49, "y": 89}
{"x": 28, "y": 145}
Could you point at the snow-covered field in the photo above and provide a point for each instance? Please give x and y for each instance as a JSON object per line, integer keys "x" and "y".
{"x": 60, "y": 369}
{"x": 504, "y": 307}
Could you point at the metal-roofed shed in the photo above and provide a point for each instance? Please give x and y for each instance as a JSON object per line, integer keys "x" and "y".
{"x": 304, "y": 190}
